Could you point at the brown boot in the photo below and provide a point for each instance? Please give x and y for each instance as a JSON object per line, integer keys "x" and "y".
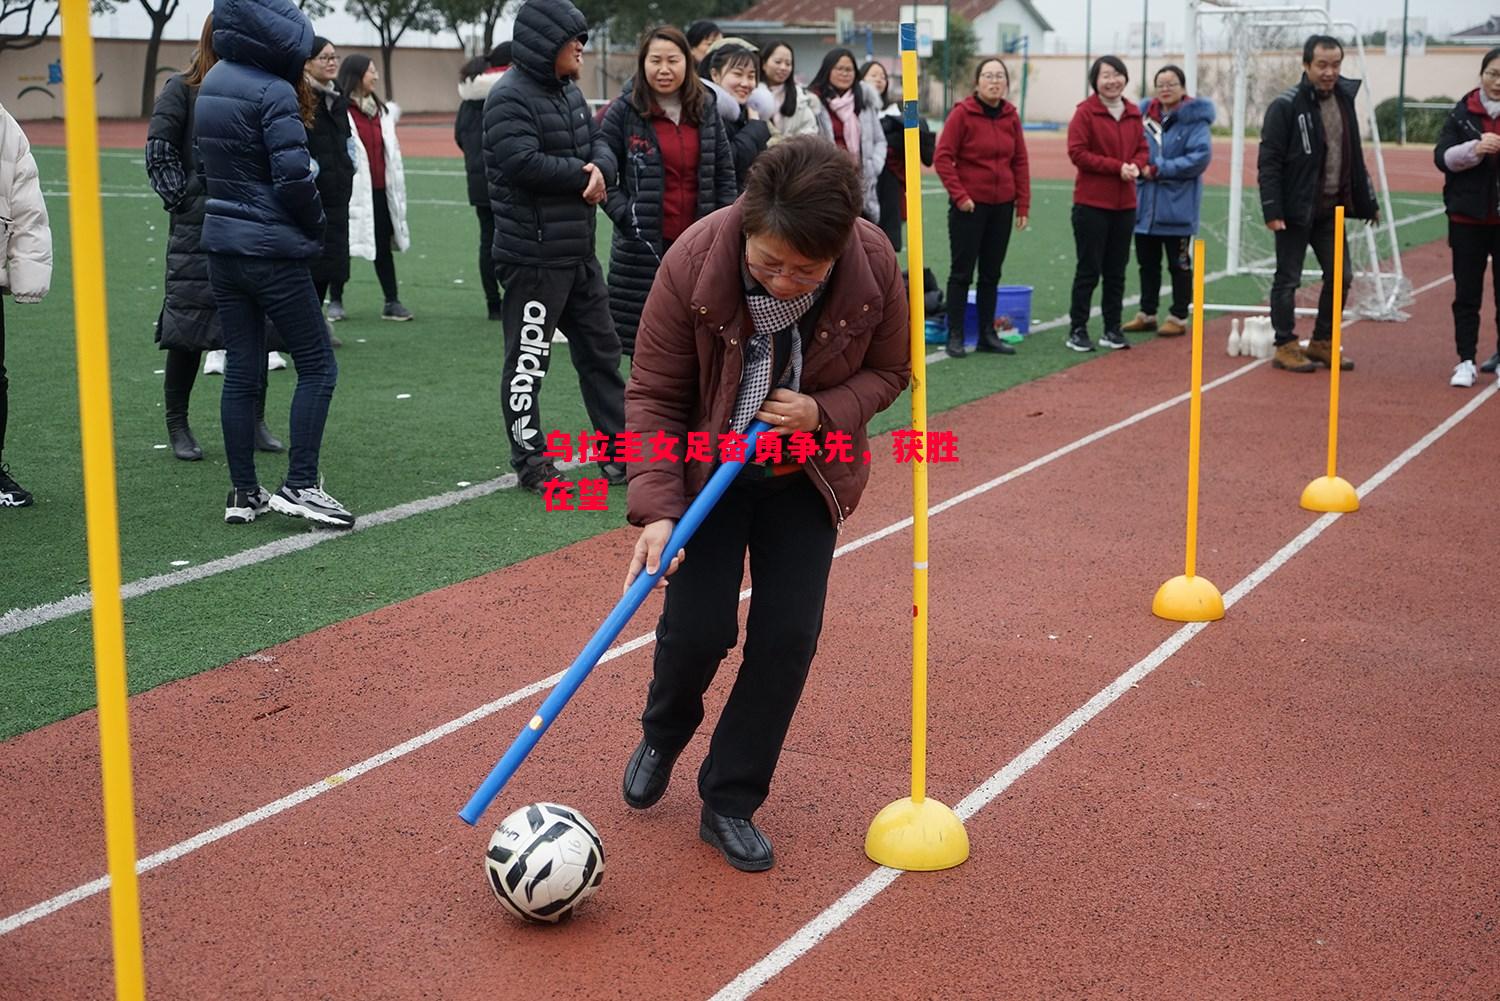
{"x": 1290, "y": 357}
{"x": 1140, "y": 323}
{"x": 1172, "y": 328}
{"x": 1322, "y": 353}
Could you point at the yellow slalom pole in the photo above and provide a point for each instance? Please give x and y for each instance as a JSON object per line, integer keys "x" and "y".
{"x": 917, "y": 833}
{"x": 1191, "y": 598}
{"x": 1332, "y": 492}
{"x": 102, "y": 517}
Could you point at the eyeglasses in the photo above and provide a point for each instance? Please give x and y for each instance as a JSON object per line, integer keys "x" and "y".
{"x": 992, "y": 77}
{"x": 762, "y": 274}
{"x": 327, "y": 59}
{"x": 1491, "y": 76}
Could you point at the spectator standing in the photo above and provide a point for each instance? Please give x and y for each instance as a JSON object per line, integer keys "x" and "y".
{"x": 1169, "y": 196}
{"x": 548, "y": 168}
{"x": 981, "y": 159}
{"x": 890, "y": 186}
{"x": 25, "y": 262}
{"x": 731, "y": 67}
{"x": 701, "y": 35}
{"x": 796, "y": 111}
{"x": 263, "y": 223}
{"x": 1311, "y": 162}
{"x": 787, "y": 288}
{"x": 377, "y": 209}
{"x": 849, "y": 116}
{"x": 329, "y": 143}
{"x": 479, "y": 77}
{"x": 188, "y": 324}
{"x": 1468, "y": 154}
{"x": 1107, "y": 144}
{"x": 675, "y": 167}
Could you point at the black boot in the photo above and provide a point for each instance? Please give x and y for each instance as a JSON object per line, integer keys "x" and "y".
{"x": 990, "y": 342}
{"x": 955, "y": 346}
{"x": 184, "y": 445}
{"x": 265, "y": 441}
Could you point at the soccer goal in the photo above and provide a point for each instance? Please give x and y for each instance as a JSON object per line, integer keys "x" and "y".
{"x": 1243, "y": 55}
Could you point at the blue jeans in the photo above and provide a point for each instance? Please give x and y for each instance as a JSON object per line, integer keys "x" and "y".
{"x": 248, "y": 291}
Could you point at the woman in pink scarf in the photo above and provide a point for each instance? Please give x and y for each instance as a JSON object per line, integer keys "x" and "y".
{"x": 849, "y": 117}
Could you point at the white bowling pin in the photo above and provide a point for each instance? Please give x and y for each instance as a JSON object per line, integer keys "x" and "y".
{"x": 1234, "y": 337}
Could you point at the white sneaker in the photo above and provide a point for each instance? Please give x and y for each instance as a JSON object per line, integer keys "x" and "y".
{"x": 213, "y": 363}
{"x": 274, "y": 362}
{"x": 1464, "y": 374}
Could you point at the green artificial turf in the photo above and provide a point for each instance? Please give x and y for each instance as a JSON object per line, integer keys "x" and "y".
{"x": 379, "y": 450}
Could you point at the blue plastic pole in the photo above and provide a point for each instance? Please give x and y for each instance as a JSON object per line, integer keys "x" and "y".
{"x": 605, "y": 635}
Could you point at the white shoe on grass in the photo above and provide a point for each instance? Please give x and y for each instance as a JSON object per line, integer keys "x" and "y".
{"x": 1464, "y": 374}
{"x": 313, "y": 504}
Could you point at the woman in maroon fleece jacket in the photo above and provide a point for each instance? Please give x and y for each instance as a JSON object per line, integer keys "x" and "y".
{"x": 981, "y": 157}
{"x": 1107, "y": 143}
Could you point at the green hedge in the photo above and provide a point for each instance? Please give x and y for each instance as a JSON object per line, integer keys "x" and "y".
{"x": 1422, "y": 126}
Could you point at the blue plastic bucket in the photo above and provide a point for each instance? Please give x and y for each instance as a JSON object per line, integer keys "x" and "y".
{"x": 1012, "y": 302}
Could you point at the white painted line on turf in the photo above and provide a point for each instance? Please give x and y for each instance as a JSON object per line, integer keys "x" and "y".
{"x": 182, "y": 848}
{"x": 841, "y": 910}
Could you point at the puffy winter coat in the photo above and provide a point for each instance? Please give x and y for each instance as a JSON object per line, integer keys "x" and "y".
{"x": 871, "y": 145}
{"x": 189, "y": 320}
{"x": 634, "y": 203}
{"x": 690, "y": 358}
{"x": 1292, "y": 147}
{"x": 252, "y": 146}
{"x": 1098, "y": 146}
{"x": 983, "y": 157}
{"x": 890, "y": 187}
{"x": 329, "y": 143}
{"x": 803, "y": 121}
{"x": 1473, "y": 193}
{"x": 468, "y": 131}
{"x": 25, "y": 238}
{"x": 1181, "y": 144}
{"x": 538, "y": 136}
{"x": 748, "y": 137}
{"x": 362, "y": 204}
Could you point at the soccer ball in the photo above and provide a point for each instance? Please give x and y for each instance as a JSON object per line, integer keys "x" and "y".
{"x": 543, "y": 861}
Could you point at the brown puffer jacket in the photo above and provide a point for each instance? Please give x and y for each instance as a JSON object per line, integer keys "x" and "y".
{"x": 689, "y": 358}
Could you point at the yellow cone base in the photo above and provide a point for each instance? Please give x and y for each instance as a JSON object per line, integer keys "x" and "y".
{"x": 1188, "y": 599}
{"x": 917, "y": 837}
{"x": 1330, "y": 493}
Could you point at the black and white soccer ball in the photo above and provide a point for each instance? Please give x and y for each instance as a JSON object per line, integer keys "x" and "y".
{"x": 543, "y": 861}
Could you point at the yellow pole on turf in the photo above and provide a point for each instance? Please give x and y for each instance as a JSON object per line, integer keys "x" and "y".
{"x": 916, "y": 833}
{"x": 1191, "y": 598}
{"x": 1332, "y": 492}
{"x": 99, "y": 495}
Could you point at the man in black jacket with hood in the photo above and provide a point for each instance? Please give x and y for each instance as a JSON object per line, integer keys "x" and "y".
{"x": 547, "y": 169}
{"x": 1311, "y": 162}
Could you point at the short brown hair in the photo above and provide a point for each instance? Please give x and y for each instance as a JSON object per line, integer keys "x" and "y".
{"x": 805, "y": 192}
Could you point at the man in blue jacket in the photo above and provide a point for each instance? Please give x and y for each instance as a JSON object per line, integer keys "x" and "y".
{"x": 547, "y": 169}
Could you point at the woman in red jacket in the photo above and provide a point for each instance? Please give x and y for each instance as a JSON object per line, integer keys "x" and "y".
{"x": 1107, "y": 143}
{"x": 981, "y": 157}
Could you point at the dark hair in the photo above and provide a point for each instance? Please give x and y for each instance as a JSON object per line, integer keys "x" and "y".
{"x": 1173, "y": 69}
{"x": 789, "y": 91}
{"x": 642, "y": 97}
{"x": 727, "y": 57}
{"x": 700, "y": 30}
{"x": 1319, "y": 42}
{"x": 806, "y": 193}
{"x": 477, "y": 66}
{"x": 885, "y": 92}
{"x": 985, "y": 61}
{"x": 1113, "y": 62}
{"x": 1489, "y": 57}
{"x": 824, "y": 89}
{"x": 319, "y": 44}
{"x": 351, "y": 72}
{"x": 204, "y": 56}
{"x": 500, "y": 55}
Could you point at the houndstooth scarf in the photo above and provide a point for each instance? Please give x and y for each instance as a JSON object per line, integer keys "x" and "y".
{"x": 770, "y": 316}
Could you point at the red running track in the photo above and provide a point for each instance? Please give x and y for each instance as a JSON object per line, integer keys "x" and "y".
{"x": 1301, "y": 802}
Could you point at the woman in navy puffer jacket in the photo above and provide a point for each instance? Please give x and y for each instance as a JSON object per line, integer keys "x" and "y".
{"x": 263, "y": 223}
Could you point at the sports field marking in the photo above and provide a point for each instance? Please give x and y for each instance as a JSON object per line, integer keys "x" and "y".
{"x": 841, "y": 910}
{"x": 182, "y": 848}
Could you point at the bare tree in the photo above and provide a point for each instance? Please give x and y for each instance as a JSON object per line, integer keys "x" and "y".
{"x": 315, "y": 8}
{"x": 159, "y": 15}
{"x": 392, "y": 19}
{"x": 20, "y": 23}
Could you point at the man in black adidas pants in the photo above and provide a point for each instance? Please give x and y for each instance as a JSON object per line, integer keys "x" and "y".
{"x": 547, "y": 168}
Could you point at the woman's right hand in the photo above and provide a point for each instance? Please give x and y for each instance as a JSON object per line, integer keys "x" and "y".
{"x": 1487, "y": 144}
{"x": 648, "y": 551}
{"x": 1129, "y": 172}
{"x": 966, "y": 205}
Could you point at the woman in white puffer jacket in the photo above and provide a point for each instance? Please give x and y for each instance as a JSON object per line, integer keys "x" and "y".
{"x": 796, "y": 111}
{"x": 849, "y": 117}
{"x": 25, "y": 259}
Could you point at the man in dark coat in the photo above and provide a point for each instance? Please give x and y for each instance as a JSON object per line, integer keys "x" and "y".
{"x": 548, "y": 169}
{"x": 1311, "y": 162}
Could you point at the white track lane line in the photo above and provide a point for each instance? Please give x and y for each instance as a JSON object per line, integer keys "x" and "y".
{"x": 177, "y": 851}
{"x": 841, "y": 910}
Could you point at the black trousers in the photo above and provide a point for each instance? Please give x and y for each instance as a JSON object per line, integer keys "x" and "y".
{"x": 4, "y": 382}
{"x": 1179, "y": 253}
{"x": 1102, "y": 239}
{"x": 385, "y": 257}
{"x": 1291, "y": 251}
{"x": 486, "y": 262}
{"x": 537, "y": 302}
{"x": 982, "y": 237}
{"x": 783, "y": 523}
{"x": 1473, "y": 246}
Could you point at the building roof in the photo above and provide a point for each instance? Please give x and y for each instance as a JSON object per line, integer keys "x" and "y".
{"x": 1485, "y": 30}
{"x": 876, "y": 13}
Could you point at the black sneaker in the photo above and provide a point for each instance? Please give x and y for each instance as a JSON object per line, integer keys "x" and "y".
{"x": 1078, "y": 340}
{"x": 532, "y": 477}
{"x": 313, "y": 504}
{"x": 1114, "y": 340}
{"x": 395, "y": 311}
{"x": 614, "y": 472}
{"x": 12, "y": 494}
{"x": 243, "y": 505}
{"x": 1491, "y": 363}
